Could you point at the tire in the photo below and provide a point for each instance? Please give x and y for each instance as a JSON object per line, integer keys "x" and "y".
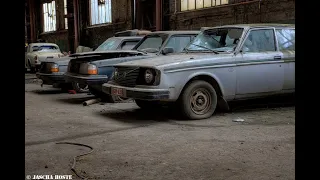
{"x": 147, "y": 104}
{"x": 65, "y": 87}
{"x": 32, "y": 69}
{"x": 80, "y": 88}
{"x": 198, "y": 100}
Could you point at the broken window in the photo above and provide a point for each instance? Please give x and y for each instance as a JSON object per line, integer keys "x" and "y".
{"x": 100, "y": 11}
{"x": 199, "y": 4}
{"x": 65, "y": 15}
{"x": 49, "y": 16}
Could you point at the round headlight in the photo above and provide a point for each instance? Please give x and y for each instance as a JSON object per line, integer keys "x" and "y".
{"x": 148, "y": 76}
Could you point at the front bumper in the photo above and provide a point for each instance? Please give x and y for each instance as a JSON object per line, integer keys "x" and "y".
{"x": 86, "y": 79}
{"x": 52, "y": 78}
{"x": 139, "y": 93}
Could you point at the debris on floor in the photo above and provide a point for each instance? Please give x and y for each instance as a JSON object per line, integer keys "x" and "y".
{"x": 238, "y": 120}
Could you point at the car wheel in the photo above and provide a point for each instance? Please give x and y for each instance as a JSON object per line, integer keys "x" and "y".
{"x": 80, "y": 88}
{"x": 147, "y": 104}
{"x": 198, "y": 100}
{"x": 32, "y": 69}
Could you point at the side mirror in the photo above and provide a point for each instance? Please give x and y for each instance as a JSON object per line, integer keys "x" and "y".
{"x": 167, "y": 50}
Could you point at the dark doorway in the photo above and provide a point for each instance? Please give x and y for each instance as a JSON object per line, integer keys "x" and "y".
{"x": 146, "y": 14}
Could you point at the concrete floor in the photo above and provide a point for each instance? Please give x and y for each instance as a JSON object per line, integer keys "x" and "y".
{"x": 132, "y": 144}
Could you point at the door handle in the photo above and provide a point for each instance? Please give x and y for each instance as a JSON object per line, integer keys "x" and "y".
{"x": 277, "y": 57}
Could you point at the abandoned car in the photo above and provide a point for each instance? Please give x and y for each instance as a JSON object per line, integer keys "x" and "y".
{"x": 96, "y": 70}
{"x": 35, "y": 53}
{"x": 222, "y": 64}
{"x": 52, "y": 70}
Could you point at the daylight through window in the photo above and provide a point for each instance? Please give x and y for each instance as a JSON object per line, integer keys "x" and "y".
{"x": 100, "y": 11}
{"x": 65, "y": 15}
{"x": 199, "y": 4}
{"x": 49, "y": 16}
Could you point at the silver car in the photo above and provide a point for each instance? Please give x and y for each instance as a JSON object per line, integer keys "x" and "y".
{"x": 222, "y": 64}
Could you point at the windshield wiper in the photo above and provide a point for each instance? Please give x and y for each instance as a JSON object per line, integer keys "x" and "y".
{"x": 142, "y": 51}
{"x": 216, "y": 52}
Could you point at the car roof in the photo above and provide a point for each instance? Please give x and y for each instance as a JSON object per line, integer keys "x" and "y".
{"x": 174, "y": 32}
{"x": 258, "y": 25}
{"x": 128, "y": 37}
{"x": 43, "y": 44}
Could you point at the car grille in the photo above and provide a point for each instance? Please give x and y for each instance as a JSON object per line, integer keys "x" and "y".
{"x": 45, "y": 67}
{"x": 74, "y": 67}
{"x": 127, "y": 76}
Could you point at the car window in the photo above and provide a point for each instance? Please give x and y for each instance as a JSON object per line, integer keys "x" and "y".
{"x": 154, "y": 42}
{"x": 128, "y": 45}
{"x": 260, "y": 41}
{"x": 178, "y": 43}
{"x": 286, "y": 39}
{"x": 109, "y": 44}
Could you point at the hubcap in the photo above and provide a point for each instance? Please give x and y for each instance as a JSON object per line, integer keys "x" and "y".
{"x": 200, "y": 101}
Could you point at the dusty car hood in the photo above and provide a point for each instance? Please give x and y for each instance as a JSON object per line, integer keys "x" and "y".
{"x": 99, "y": 53}
{"x": 60, "y": 61}
{"x": 175, "y": 60}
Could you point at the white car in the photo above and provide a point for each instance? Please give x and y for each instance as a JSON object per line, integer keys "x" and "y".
{"x": 37, "y": 52}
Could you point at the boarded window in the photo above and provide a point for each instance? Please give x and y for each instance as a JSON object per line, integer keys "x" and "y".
{"x": 49, "y": 16}
{"x": 65, "y": 15}
{"x": 100, "y": 11}
{"x": 199, "y": 4}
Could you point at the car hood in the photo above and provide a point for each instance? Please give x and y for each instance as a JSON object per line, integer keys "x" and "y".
{"x": 60, "y": 61}
{"x": 176, "y": 60}
{"x": 46, "y": 53}
{"x": 101, "y": 53}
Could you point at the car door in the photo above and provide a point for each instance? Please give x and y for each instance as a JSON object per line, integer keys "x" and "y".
{"x": 260, "y": 70}
{"x": 286, "y": 44}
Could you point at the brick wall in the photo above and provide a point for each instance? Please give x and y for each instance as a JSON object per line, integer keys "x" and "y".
{"x": 266, "y": 11}
{"x": 91, "y": 36}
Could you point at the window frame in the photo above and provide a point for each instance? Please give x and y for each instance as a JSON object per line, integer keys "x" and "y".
{"x": 241, "y": 46}
{"x": 128, "y": 40}
{"x": 43, "y": 18}
{"x": 203, "y": 5}
{"x": 90, "y": 14}
{"x": 277, "y": 37}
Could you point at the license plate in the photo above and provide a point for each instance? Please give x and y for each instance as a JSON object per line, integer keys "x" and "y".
{"x": 118, "y": 92}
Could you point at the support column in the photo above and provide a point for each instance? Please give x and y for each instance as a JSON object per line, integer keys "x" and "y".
{"x": 32, "y": 21}
{"x": 158, "y": 15}
{"x": 76, "y": 23}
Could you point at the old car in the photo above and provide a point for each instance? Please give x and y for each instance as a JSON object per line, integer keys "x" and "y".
{"x": 222, "y": 64}
{"x": 53, "y": 69}
{"x": 98, "y": 70}
{"x": 38, "y": 52}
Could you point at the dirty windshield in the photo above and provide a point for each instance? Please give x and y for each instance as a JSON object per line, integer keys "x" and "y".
{"x": 217, "y": 40}
{"x": 151, "y": 43}
{"x": 109, "y": 44}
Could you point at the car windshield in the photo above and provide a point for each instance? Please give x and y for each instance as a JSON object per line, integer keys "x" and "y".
{"x": 109, "y": 44}
{"x": 217, "y": 40}
{"x": 45, "y": 48}
{"x": 151, "y": 43}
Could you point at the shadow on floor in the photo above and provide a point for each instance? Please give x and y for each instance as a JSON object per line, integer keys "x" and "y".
{"x": 49, "y": 91}
{"x": 138, "y": 116}
{"x": 78, "y": 100}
